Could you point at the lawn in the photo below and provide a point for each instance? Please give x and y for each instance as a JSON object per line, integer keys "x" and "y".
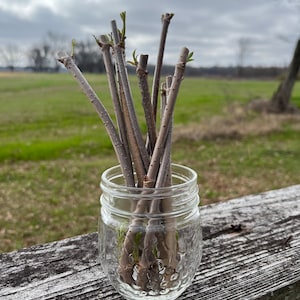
{"x": 54, "y": 148}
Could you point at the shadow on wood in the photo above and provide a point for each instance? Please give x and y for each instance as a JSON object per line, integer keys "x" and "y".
{"x": 251, "y": 250}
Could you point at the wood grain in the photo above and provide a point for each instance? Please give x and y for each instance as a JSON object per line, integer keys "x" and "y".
{"x": 251, "y": 248}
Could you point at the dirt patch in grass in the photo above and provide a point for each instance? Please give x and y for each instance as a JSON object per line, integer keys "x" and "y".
{"x": 237, "y": 122}
{"x": 222, "y": 187}
{"x": 48, "y": 200}
{"x": 11, "y": 74}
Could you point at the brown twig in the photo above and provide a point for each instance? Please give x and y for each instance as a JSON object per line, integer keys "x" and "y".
{"x": 129, "y": 101}
{"x": 103, "y": 114}
{"x": 167, "y": 117}
{"x": 153, "y": 169}
{"x": 110, "y": 72}
{"x": 166, "y": 19}
{"x": 130, "y": 136}
{"x": 142, "y": 73}
{"x": 147, "y": 264}
{"x": 166, "y": 242}
{"x": 164, "y": 174}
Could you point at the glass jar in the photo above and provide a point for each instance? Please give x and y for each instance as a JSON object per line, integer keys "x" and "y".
{"x": 150, "y": 239}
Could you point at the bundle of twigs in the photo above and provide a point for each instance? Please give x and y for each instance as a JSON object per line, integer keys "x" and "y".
{"x": 148, "y": 158}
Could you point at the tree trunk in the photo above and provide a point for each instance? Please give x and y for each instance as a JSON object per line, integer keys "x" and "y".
{"x": 281, "y": 98}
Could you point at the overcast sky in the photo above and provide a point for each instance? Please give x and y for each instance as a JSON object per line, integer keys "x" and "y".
{"x": 210, "y": 28}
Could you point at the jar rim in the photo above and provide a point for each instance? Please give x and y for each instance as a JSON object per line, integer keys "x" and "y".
{"x": 107, "y": 177}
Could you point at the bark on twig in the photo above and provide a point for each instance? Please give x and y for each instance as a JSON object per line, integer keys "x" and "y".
{"x": 146, "y": 101}
{"x": 166, "y": 19}
{"x": 147, "y": 264}
{"x": 139, "y": 261}
{"x": 110, "y": 72}
{"x": 164, "y": 174}
{"x": 128, "y": 97}
{"x": 134, "y": 149}
{"x": 168, "y": 244}
{"x": 167, "y": 117}
{"x": 103, "y": 114}
{"x": 122, "y": 114}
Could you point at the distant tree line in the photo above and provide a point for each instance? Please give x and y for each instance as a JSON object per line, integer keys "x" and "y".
{"x": 238, "y": 71}
{"x": 229, "y": 72}
{"x": 41, "y": 58}
{"x": 87, "y": 55}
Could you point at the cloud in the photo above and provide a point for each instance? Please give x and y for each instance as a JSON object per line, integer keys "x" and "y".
{"x": 210, "y": 28}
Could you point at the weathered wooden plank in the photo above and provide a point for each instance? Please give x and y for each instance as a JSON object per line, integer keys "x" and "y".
{"x": 290, "y": 292}
{"x": 251, "y": 248}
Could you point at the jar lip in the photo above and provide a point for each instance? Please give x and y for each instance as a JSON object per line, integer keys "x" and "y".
{"x": 190, "y": 177}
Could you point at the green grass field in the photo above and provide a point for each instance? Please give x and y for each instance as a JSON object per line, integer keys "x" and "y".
{"x": 54, "y": 149}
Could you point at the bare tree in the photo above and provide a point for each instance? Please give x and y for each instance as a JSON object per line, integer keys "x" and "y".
{"x": 280, "y": 101}
{"x": 55, "y": 41}
{"x": 88, "y": 57}
{"x": 39, "y": 57}
{"x": 244, "y": 49}
{"x": 43, "y": 55}
{"x": 10, "y": 55}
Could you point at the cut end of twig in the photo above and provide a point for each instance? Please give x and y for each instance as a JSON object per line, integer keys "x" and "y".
{"x": 167, "y": 17}
{"x": 61, "y": 56}
{"x": 183, "y": 58}
{"x": 104, "y": 39}
{"x": 143, "y": 62}
{"x": 184, "y": 53}
{"x": 144, "y": 165}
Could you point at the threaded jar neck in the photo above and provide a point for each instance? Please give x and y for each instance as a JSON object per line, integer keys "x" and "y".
{"x": 119, "y": 199}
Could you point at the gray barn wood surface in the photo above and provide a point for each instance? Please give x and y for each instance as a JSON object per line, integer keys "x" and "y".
{"x": 251, "y": 250}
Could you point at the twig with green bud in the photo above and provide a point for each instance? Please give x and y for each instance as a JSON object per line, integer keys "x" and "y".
{"x": 145, "y": 161}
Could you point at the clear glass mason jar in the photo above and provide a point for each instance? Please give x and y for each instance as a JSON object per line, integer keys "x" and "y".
{"x": 153, "y": 254}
